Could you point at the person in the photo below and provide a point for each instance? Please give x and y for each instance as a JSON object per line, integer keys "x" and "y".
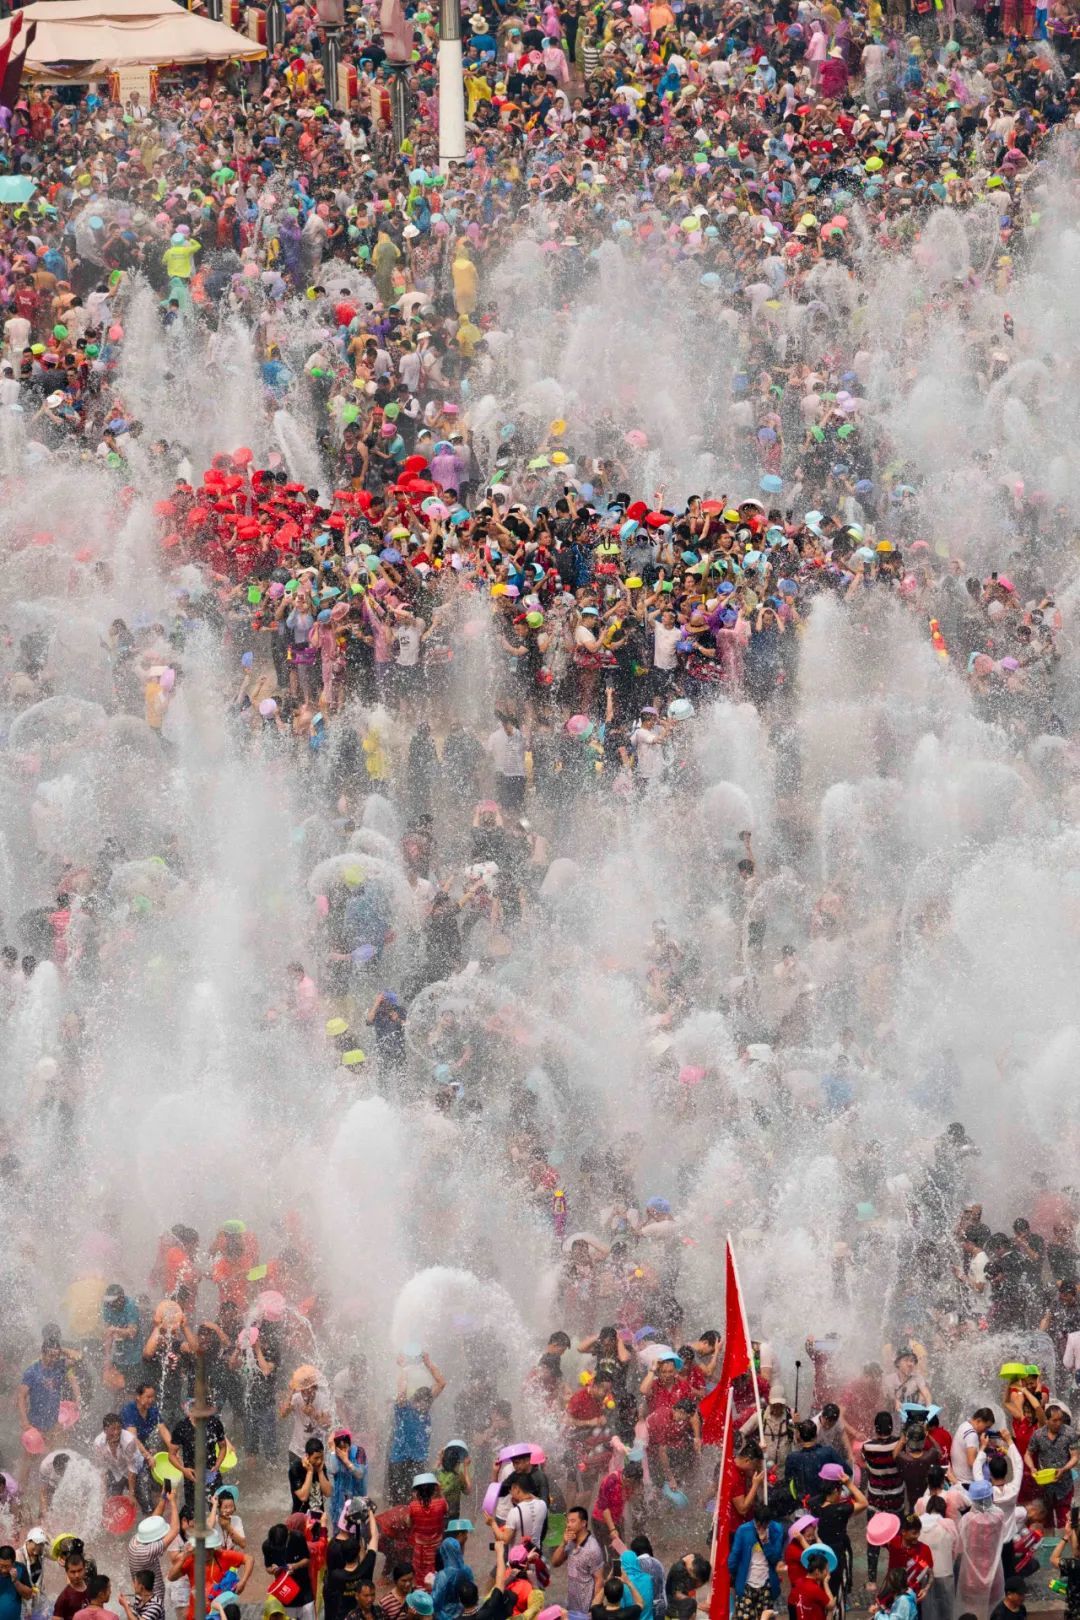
{"x": 526, "y": 1520}
{"x": 181, "y": 1446}
{"x": 309, "y": 1481}
{"x": 98, "y": 1593}
{"x": 1066, "y": 1558}
{"x": 142, "y": 1605}
{"x": 583, "y": 1556}
{"x": 393, "y": 1600}
{"x": 220, "y": 1560}
{"x": 454, "y": 1475}
{"x": 153, "y": 1538}
{"x": 309, "y": 1406}
{"x": 342, "y": 1585}
{"x": 942, "y": 1535}
{"x": 15, "y": 1585}
{"x": 455, "y": 1574}
{"x": 1054, "y": 1449}
{"x": 840, "y": 1500}
{"x": 1012, "y": 1605}
{"x": 967, "y": 1442}
{"x": 428, "y": 1518}
{"x": 410, "y": 1438}
{"x": 285, "y": 1553}
{"x": 980, "y": 1580}
{"x": 613, "y": 1603}
{"x": 756, "y": 1550}
{"x": 895, "y": 1599}
{"x": 44, "y": 1384}
{"x": 802, "y": 1469}
{"x": 119, "y": 1457}
{"x": 72, "y": 1595}
{"x": 141, "y": 1418}
{"x": 811, "y": 1595}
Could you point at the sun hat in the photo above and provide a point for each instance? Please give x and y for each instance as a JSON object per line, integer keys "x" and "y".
{"x": 155, "y": 1528}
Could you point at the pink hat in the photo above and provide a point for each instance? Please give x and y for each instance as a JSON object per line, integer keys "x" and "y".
{"x": 800, "y": 1524}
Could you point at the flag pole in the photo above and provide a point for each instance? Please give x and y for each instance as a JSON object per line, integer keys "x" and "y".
{"x": 753, "y": 1369}
{"x": 720, "y": 1480}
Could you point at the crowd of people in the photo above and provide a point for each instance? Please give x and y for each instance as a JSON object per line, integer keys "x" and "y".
{"x": 421, "y": 589}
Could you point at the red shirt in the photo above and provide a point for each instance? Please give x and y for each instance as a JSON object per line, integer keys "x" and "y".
{"x": 917, "y": 1562}
{"x": 809, "y": 1600}
{"x": 667, "y": 1427}
{"x": 665, "y": 1395}
{"x": 218, "y": 1560}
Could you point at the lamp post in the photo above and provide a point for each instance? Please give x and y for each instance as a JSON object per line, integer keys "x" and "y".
{"x": 451, "y": 86}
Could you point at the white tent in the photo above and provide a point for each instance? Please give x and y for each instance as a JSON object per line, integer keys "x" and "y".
{"x": 114, "y": 35}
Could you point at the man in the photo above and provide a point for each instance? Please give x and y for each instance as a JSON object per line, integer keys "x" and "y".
{"x": 802, "y": 1470}
{"x": 73, "y": 1596}
{"x": 1012, "y": 1605}
{"x": 1054, "y": 1448}
{"x": 685, "y": 1577}
{"x": 143, "y": 1605}
{"x": 181, "y": 1448}
{"x": 310, "y": 1408}
{"x": 122, "y": 1336}
{"x": 528, "y": 1515}
{"x": 674, "y": 1436}
{"x": 968, "y": 1441}
{"x": 581, "y": 1553}
{"x": 117, "y": 1454}
{"x": 151, "y": 1541}
{"x": 506, "y": 746}
{"x": 909, "y": 1552}
{"x": 392, "y": 1603}
{"x": 15, "y": 1587}
{"x": 1007, "y": 1281}
{"x": 905, "y": 1384}
{"x": 309, "y": 1481}
{"x": 45, "y": 1383}
{"x": 98, "y": 1593}
{"x": 777, "y": 1428}
{"x": 410, "y": 1438}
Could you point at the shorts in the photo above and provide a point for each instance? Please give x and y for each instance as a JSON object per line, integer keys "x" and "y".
{"x": 510, "y": 792}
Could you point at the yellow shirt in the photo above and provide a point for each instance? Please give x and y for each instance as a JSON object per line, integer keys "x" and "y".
{"x": 177, "y": 258}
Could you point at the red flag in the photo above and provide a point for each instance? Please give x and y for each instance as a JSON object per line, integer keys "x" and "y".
{"x": 6, "y": 47}
{"x": 730, "y": 1486}
{"x": 12, "y": 73}
{"x": 737, "y": 1356}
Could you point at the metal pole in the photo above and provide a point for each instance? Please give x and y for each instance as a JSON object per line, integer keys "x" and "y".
{"x": 399, "y": 110}
{"x": 200, "y": 1412}
{"x": 451, "y": 86}
{"x": 330, "y": 67}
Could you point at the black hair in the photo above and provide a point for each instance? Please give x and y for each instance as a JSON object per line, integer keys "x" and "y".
{"x": 762, "y": 1514}
{"x": 831, "y": 1411}
{"x": 998, "y": 1467}
{"x": 815, "y": 1563}
{"x": 110, "y": 1417}
{"x": 313, "y": 1446}
{"x": 96, "y": 1586}
{"x": 399, "y": 1571}
{"x": 982, "y": 1414}
{"x": 583, "y": 1511}
{"x": 642, "y": 1546}
{"x": 807, "y": 1431}
{"x": 934, "y": 1504}
{"x": 883, "y": 1424}
{"x": 7, "y": 1552}
{"x": 467, "y": 1594}
{"x": 895, "y": 1582}
{"x": 144, "y": 1578}
{"x": 935, "y": 1476}
{"x": 613, "y": 1589}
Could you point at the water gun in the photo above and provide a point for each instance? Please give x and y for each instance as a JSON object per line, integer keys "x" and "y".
{"x": 937, "y": 641}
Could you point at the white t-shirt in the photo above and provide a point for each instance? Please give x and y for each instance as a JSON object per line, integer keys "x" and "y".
{"x": 407, "y": 637}
{"x": 305, "y": 1425}
{"x": 507, "y": 752}
{"x": 664, "y": 642}
{"x": 528, "y": 1520}
{"x": 964, "y": 1439}
{"x": 17, "y": 331}
{"x": 647, "y": 746}
{"x": 126, "y": 1459}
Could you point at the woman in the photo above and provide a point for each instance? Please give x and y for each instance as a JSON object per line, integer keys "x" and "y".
{"x": 895, "y": 1598}
{"x": 428, "y": 1517}
{"x": 454, "y": 1476}
{"x": 942, "y": 1535}
{"x": 980, "y": 1580}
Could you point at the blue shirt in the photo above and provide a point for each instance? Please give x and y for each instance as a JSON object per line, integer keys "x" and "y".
{"x": 46, "y": 1386}
{"x": 410, "y": 1438}
{"x": 10, "y": 1601}
{"x": 642, "y": 1580}
{"x": 345, "y": 1484}
{"x": 125, "y": 1352}
{"x": 145, "y": 1427}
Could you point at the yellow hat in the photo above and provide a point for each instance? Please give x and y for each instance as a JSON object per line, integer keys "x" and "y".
{"x": 559, "y": 458}
{"x": 498, "y": 590}
{"x": 633, "y": 583}
{"x": 885, "y": 545}
{"x": 557, "y": 428}
{"x": 730, "y": 515}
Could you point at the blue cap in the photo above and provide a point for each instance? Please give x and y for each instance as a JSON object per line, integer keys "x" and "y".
{"x": 980, "y": 1490}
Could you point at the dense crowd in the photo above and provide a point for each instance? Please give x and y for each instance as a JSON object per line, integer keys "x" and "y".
{"x": 491, "y": 624}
